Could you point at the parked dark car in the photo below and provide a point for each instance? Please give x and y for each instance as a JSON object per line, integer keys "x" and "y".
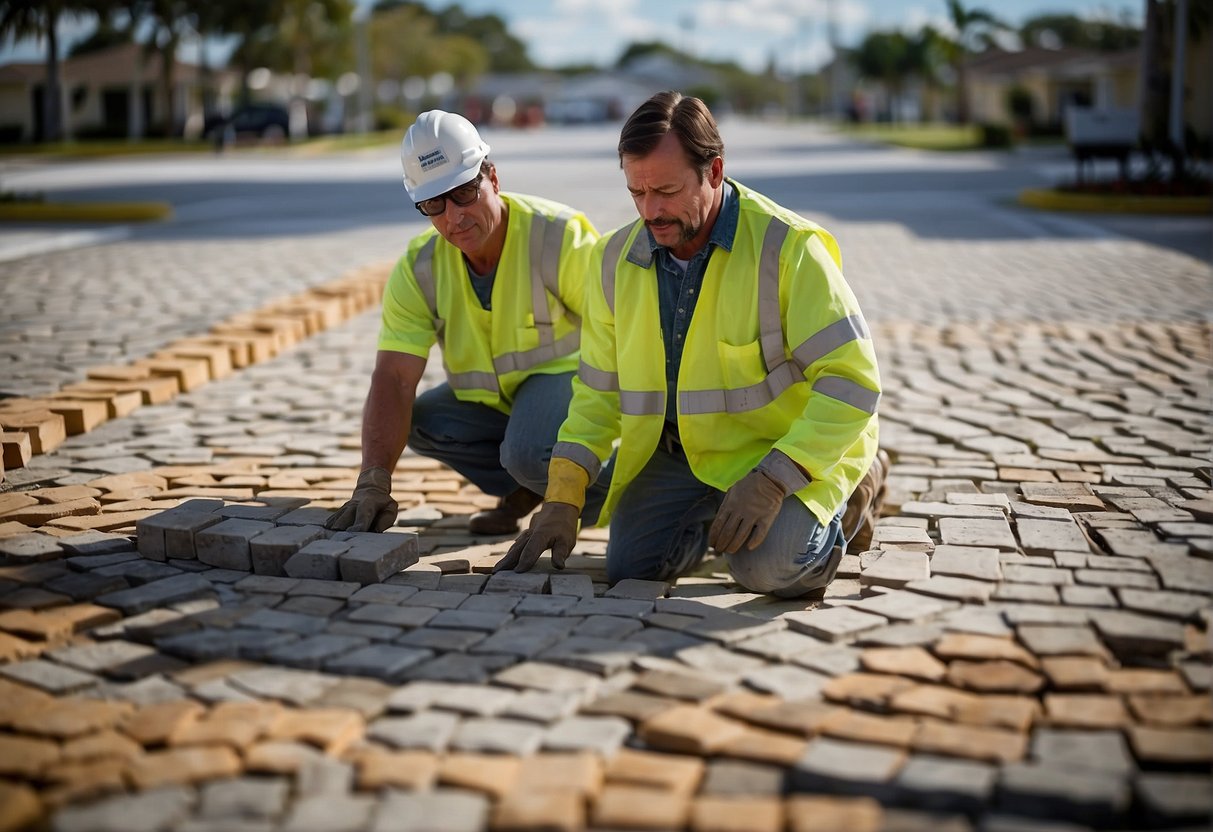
{"x": 265, "y": 121}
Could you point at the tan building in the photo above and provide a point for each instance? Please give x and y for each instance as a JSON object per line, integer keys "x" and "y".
{"x": 114, "y": 92}
{"x": 1056, "y": 78}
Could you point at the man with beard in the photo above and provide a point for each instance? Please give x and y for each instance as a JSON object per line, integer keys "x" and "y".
{"x": 754, "y": 431}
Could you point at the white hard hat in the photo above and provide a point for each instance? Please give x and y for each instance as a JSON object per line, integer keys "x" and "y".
{"x": 440, "y": 151}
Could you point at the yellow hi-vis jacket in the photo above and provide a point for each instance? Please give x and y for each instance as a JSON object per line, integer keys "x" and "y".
{"x": 777, "y": 357}
{"x": 537, "y": 303}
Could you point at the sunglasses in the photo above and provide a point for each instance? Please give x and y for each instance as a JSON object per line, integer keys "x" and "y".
{"x": 465, "y": 194}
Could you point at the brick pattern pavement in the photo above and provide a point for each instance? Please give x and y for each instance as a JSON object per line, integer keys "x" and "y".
{"x": 1026, "y": 645}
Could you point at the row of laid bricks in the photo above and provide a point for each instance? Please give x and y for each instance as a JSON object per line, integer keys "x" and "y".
{"x": 273, "y": 540}
{"x": 78, "y": 749}
{"x": 37, "y": 426}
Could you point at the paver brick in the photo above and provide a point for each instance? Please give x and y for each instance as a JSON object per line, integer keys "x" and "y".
{"x": 524, "y": 811}
{"x": 844, "y": 767}
{"x": 994, "y": 745}
{"x": 183, "y": 765}
{"x": 688, "y": 729}
{"x": 270, "y": 550}
{"x": 494, "y": 775}
{"x": 374, "y": 557}
{"x": 630, "y": 807}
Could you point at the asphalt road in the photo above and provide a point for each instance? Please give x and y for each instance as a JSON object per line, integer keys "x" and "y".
{"x": 945, "y": 196}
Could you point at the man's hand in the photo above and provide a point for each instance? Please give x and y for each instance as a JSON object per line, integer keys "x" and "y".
{"x": 748, "y": 510}
{"x": 371, "y": 508}
{"x": 553, "y": 527}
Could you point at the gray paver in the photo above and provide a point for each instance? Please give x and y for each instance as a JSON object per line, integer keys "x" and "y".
{"x": 846, "y": 767}
{"x": 460, "y": 812}
{"x": 1062, "y": 793}
{"x": 429, "y": 730}
{"x": 336, "y": 813}
{"x": 226, "y": 544}
{"x": 373, "y": 557}
{"x": 946, "y": 784}
{"x": 158, "y": 593}
{"x": 834, "y": 624}
{"x": 497, "y": 736}
{"x": 270, "y": 550}
{"x": 48, "y": 676}
{"x": 383, "y": 661}
{"x": 243, "y": 797}
{"x": 148, "y": 811}
{"x": 319, "y": 559}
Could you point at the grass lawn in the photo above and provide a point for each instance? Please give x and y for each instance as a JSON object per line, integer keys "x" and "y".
{"x": 920, "y": 136}
{"x": 122, "y": 147}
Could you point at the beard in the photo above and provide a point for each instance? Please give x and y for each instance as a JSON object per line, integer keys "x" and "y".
{"x": 686, "y": 232}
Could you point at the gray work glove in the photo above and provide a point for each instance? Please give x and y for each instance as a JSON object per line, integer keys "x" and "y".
{"x": 370, "y": 508}
{"x": 553, "y": 527}
{"x": 747, "y": 512}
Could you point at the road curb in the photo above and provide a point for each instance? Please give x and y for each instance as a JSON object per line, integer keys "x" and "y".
{"x": 1052, "y": 200}
{"x": 85, "y": 211}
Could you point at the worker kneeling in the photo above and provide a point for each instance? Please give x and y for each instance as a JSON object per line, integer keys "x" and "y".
{"x": 724, "y": 350}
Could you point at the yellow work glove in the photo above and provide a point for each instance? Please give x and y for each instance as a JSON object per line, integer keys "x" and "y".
{"x": 555, "y": 525}
{"x": 370, "y": 508}
{"x": 747, "y": 512}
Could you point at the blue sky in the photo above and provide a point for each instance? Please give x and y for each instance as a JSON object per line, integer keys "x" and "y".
{"x": 748, "y": 31}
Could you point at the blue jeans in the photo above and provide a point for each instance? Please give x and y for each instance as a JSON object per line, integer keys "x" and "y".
{"x": 659, "y": 530}
{"x": 499, "y": 452}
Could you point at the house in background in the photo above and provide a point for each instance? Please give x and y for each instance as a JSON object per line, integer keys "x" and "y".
{"x": 1054, "y": 79}
{"x": 114, "y": 92}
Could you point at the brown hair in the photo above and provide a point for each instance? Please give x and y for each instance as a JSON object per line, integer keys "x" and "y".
{"x": 686, "y": 117}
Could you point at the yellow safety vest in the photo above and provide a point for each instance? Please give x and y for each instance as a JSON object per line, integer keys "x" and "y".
{"x": 537, "y": 303}
{"x": 777, "y": 356}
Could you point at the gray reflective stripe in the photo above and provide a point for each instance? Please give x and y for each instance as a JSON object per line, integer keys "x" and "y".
{"x": 741, "y": 399}
{"x": 825, "y": 341}
{"x": 848, "y": 392}
{"x": 514, "y": 362}
{"x": 549, "y": 254}
{"x": 580, "y": 454}
{"x": 641, "y": 402}
{"x": 610, "y": 259}
{"x": 596, "y": 379}
{"x": 473, "y": 381}
{"x": 769, "y": 321}
{"x": 423, "y": 271}
{"x": 547, "y": 240}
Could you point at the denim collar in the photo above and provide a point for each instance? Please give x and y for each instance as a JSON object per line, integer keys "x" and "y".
{"x": 723, "y": 231}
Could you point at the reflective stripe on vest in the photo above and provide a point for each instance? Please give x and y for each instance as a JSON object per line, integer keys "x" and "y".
{"x": 580, "y": 454}
{"x": 596, "y": 379}
{"x": 472, "y": 380}
{"x": 423, "y": 271}
{"x": 848, "y": 392}
{"x": 546, "y": 243}
{"x": 610, "y": 261}
{"x": 547, "y": 238}
{"x": 517, "y": 362}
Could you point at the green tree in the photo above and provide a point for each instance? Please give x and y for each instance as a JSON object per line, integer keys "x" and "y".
{"x": 886, "y": 57}
{"x": 20, "y": 19}
{"x": 506, "y": 53}
{"x": 1071, "y": 30}
{"x": 972, "y": 26}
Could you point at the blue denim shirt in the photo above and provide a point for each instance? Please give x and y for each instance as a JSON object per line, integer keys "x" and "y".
{"x": 677, "y": 293}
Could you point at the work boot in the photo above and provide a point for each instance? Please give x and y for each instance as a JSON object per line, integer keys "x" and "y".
{"x": 504, "y": 519}
{"x": 863, "y": 507}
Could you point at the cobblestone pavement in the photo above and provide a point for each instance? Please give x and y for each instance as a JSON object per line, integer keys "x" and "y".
{"x": 1025, "y": 647}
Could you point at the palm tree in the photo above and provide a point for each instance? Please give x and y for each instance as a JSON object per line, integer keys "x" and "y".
{"x": 21, "y": 19}
{"x": 970, "y": 25}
